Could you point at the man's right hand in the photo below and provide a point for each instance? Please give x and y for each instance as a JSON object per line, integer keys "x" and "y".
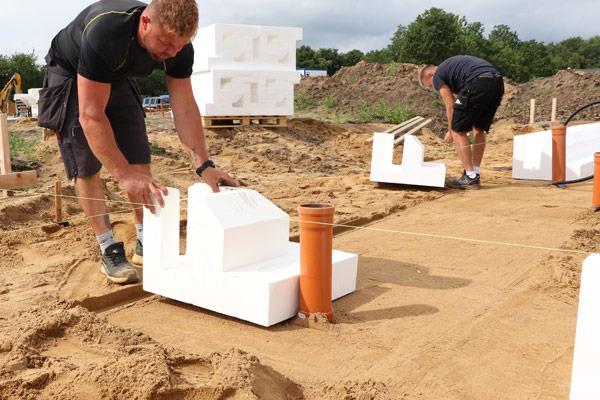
{"x": 142, "y": 187}
{"x": 449, "y": 138}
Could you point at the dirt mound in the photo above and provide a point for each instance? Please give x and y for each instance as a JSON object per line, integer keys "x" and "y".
{"x": 368, "y": 92}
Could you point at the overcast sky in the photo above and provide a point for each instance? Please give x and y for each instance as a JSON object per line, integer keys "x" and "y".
{"x": 341, "y": 24}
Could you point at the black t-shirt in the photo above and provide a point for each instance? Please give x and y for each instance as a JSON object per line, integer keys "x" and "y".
{"x": 457, "y": 71}
{"x": 101, "y": 44}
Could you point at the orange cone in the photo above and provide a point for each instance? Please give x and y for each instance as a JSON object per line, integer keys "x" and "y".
{"x": 559, "y": 133}
{"x": 596, "y": 197}
{"x": 316, "y": 235}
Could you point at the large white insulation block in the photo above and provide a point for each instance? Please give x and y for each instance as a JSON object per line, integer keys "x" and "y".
{"x": 585, "y": 384}
{"x": 238, "y": 261}
{"x": 227, "y": 46}
{"x": 237, "y": 92}
{"x": 532, "y": 153}
{"x": 413, "y": 171}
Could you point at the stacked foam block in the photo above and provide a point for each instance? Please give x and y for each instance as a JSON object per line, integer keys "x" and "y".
{"x": 245, "y": 70}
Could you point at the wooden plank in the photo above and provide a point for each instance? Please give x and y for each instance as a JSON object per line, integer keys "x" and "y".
{"x": 399, "y": 128}
{"x": 421, "y": 125}
{"x": 4, "y": 146}
{"x": 18, "y": 180}
{"x": 4, "y": 150}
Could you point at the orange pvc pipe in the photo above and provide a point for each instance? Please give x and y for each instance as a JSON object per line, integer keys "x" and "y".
{"x": 596, "y": 197}
{"x": 559, "y": 133}
{"x": 316, "y": 235}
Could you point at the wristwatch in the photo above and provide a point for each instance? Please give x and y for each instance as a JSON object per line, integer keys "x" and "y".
{"x": 206, "y": 164}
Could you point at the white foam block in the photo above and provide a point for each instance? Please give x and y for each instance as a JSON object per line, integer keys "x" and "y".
{"x": 255, "y": 47}
{"x": 532, "y": 153}
{"x": 229, "y": 92}
{"x": 238, "y": 260}
{"x": 413, "y": 171}
{"x": 585, "y": 382}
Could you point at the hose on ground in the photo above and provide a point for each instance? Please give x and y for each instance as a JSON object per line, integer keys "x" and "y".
{"x": 585, "y": 178}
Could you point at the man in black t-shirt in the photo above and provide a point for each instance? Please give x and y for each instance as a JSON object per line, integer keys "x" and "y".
{"x": 472, "y": 90}
{"x": 91, "y": 100}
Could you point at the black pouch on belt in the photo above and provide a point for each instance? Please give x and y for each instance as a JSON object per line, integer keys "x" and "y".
{"x": 52, "y": 106}
{"x": 462, "y": 99}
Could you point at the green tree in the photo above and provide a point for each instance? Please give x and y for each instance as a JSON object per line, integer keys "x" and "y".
{"x": 379, "y": 56}
{"x": 328, "y": 59}
{"x": 434, "y": 36}
{"x": 501, "y": 36}
{"x": 305, "y": 57}
{"x": 394, "y": 49}
{"x": 32, "y": 74}
{"x": 351, "y": 58}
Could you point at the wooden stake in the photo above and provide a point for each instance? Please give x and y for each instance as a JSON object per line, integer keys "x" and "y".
{"x": 4, "y": 150}
{"x": 57, "y": 202}
{"x": 553, "y": 118}
{"x": 532, "y": 112}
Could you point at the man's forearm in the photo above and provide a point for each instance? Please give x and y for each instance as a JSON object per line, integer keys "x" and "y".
{"x": 100, "y": 137}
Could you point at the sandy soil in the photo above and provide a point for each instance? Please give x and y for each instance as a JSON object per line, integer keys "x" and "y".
{"x": 460, "y": 294}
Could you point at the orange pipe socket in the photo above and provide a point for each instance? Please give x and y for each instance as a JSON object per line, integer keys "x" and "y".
{"x": 596, "y": 197}
{"x": 316, "y": 235}
{"x": 559, "y": 133}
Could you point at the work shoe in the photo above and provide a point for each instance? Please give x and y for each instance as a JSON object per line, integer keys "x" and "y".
{"x": 115, "y": 265}
{"x": 464, "y": 182}
{"x": 138, "y": 256}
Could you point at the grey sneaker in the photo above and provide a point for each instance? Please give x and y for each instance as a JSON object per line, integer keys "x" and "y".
{"x": 138, "y": 256}
{"x": 464, "y": 182}
{"x": 115, "y": 265}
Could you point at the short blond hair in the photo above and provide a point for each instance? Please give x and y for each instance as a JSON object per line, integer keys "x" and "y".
{"x": 176, "y": 16}
{"x": 424, "y": 71}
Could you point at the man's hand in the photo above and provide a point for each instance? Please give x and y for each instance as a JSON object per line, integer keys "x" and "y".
{"x": 215, "y": 177}
{"x": 141, "y": 187}
{"x": 449, "y": 138}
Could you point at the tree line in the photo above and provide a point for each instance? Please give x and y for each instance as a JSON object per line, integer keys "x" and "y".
{"x": 431, "y": 38}
{"x": 436, "y": 35}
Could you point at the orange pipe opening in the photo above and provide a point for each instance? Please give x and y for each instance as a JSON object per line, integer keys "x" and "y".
{"x": 596, "y": 197}
{"x": 316, "y": 236}
{"x": 559, "y": 133}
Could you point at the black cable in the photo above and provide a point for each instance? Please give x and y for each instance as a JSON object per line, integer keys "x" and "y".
{"x": 580, "y": 109}
{"x": 573, "y": 181}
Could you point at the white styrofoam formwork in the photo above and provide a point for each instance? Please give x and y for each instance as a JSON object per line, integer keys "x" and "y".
{"x": 245, "y": 70}
{"x": 229, "y": 92}
{"x": 532, "y": 153}
{"x": 228, "y": 46}
{"x": 585, "y": 384}
{"x": 413, "y": 171}
{"x": 238, "y": 260}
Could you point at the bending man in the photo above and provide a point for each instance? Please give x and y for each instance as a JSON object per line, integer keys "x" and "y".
{"x": 472, "y": 90}
{"x": 91, "y": 67}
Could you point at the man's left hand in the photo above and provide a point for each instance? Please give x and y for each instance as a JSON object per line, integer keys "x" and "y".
{"x": 215, "y": 177}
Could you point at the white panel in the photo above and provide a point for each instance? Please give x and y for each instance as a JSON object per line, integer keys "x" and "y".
{"x": 532, "y": 153}
{"x": 413, "y": 171}
{"x": 585, "y": 384}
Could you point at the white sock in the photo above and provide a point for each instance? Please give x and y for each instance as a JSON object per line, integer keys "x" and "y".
{"x": 476, "y": 170}
{"x": 105, "y": 240}
{"x": 139, "y": 230}
{"x": 471, "y": 174}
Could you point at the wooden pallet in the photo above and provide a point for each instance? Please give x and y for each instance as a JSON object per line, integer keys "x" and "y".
{"x": 243, "y": 120}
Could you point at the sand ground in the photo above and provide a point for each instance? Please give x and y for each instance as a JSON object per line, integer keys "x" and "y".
{"x": 460, "y": 294}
